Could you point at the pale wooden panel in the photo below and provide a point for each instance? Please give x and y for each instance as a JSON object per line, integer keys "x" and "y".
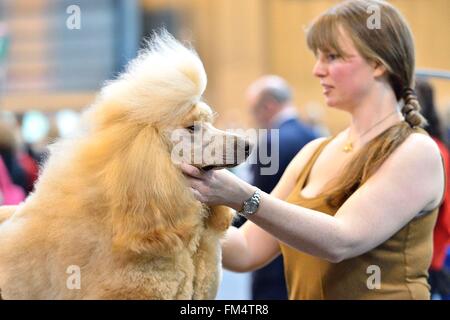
{"x": 29, "y": 68}
{"x": 47, "y": 101}
{"x": 25, "y": 7}
{"x": 234, "y": 53}
{"x": 291, "y": 58}
{"x": 26, "y": 26}
{"x": 35, "y": 49}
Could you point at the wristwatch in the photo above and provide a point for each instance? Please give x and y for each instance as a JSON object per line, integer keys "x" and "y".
{"x": 250, "y": 205}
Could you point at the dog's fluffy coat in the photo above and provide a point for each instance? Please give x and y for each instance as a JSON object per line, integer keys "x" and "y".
{"x": 112, "y": 202}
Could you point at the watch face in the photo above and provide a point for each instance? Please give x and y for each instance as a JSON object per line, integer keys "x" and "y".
{"x": 252, "y": 206}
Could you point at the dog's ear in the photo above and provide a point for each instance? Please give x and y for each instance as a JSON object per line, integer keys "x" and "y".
{"x": 152, "y": 210}
{"x": 220, "y": 218}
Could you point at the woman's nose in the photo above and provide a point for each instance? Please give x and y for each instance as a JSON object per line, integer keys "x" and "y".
{"x": 319, "y": 69}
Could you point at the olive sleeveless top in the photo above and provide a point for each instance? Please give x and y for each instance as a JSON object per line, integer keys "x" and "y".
{"x": 396, "y": 269}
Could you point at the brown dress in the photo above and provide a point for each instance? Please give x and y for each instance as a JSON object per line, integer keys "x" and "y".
{"x": 403, "y": 260}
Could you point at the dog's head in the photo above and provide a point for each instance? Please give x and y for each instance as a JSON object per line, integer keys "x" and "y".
{"x": 161, "y": 90}
{"x": 198, "y": 142}
{"x": 142, "y": 124}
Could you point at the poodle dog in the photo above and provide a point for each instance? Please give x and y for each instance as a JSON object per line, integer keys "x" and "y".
{"x": 112, "y": 216}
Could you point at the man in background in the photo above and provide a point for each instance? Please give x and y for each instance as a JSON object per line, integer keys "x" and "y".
{"x": 270, "y": 101}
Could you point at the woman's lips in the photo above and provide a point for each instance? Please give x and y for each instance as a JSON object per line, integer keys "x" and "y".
{"x": 326, "y": 88}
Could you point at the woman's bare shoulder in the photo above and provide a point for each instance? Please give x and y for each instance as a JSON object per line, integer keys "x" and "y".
{"x": 422, "y": 147}
{"x": 308, "y": 150}
{"x": 419, "y": 156}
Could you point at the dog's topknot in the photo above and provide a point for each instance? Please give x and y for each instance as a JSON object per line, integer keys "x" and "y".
{"x": 163, "y": 81}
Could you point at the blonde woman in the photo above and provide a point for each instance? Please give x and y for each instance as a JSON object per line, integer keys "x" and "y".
{"x": 353, "y": 214}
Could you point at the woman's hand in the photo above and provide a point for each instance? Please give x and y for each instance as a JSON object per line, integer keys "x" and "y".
{"x": 217, "y": 187}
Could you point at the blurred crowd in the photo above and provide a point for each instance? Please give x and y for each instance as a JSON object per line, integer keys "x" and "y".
{"x": 20, "y": 161}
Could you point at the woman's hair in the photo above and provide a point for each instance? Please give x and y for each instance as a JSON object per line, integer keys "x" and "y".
{"x": 388, "y": 42}
{"x": 425, "y": 95}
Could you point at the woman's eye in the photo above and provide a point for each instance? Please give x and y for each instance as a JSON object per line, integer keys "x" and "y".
{"x": 332, "y": 56}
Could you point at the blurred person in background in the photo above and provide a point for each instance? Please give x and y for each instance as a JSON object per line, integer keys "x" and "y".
{"x": 8, "y": 152}
{"x": 27, "y": 158}
{"x": 447, "y": 122}
{"x": 40, "y": 149}
{"x": 10, "y": 194}
{"x": 30, "y": 166}
{"x": 38, "y": 156}
{"x": 12, "y": 176}
{"x": 22, "y": 166}
{"x": 439, "y": 276}
{"x": 270, "y": 103}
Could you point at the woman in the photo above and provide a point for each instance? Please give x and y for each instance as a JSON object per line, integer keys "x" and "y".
{"x": 353, "y": 214}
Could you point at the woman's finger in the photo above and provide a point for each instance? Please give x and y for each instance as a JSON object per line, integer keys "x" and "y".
{"x": 196, "y": 183}
{"x": 191, "y": 171}
{"x": 197, "y": 195}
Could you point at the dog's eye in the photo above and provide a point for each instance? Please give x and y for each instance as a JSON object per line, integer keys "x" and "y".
{"x": 193, "y": 128}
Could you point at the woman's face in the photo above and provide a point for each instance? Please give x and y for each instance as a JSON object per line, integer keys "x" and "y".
{"x": 345, "y": 81}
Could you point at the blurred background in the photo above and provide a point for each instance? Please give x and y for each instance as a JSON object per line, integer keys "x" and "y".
{"x": 48, "y": 67}
{"x": 56, "y": 54}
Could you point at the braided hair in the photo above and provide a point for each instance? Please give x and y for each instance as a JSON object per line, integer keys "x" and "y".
{"x": 411, "y": 109}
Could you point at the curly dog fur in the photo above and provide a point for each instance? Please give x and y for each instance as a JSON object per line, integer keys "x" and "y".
{"x": 111, "y": 201}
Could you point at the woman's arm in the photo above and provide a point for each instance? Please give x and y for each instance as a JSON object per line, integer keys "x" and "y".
{"x": 250, "y": 247}
{"x": 410, "y": 180}
{"x": 244, "y": 251}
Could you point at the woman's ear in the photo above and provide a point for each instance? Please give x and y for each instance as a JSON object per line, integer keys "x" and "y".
{"x": 379, "y": 69}
{"x": 152, "y": 210}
